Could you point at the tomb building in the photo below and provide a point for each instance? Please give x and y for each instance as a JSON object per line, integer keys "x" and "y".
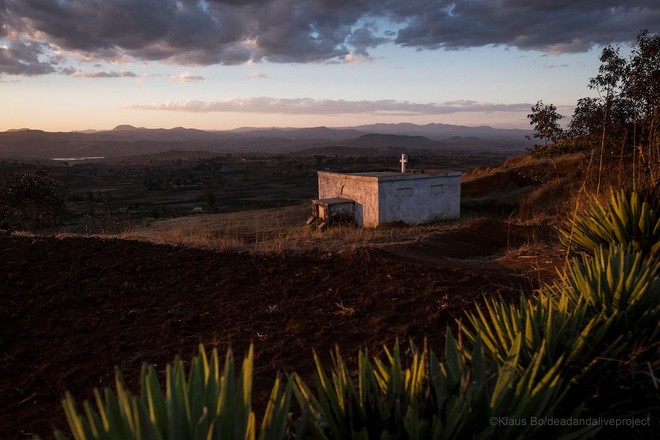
{"x": 373, "y": 198}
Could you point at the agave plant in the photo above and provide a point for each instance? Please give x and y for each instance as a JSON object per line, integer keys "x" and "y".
{"x": 587, "y": 316}
{"x": 627, "y": 219}
{"x": 596, "y": 301}
{"x": 543, "y": 323}
{"x": 458, "y": 397}
{"x": 206, "y": 405}
{"x": 619, "y": 281}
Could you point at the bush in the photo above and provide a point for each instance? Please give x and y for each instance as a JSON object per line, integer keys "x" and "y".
{"x": 206, "y": 405}
{"x": 598, "y": 299}
{"x": 29, "y": 200}
{"x": 629, "y": 219}
{"x": 560, "y": 148}
{"x": 456, "y": 398}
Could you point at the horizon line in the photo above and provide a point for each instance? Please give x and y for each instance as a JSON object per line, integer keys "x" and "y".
{"x": 250, "y": 127}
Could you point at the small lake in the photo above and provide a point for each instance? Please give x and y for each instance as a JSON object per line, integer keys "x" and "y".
{"x": 74, "y": 159}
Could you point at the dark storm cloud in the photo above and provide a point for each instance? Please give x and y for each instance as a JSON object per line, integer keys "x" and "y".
{"x": 207, "y": 32}
{"x": 23, "y": 58}
{"x": 549, "y": 26}
{"x": 145, "y": 29}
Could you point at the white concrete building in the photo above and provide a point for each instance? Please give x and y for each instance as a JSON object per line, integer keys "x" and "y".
{"x": 382, "y": 197}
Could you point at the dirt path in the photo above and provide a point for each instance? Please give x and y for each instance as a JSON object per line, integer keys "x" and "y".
{"x": 73, "y": 308}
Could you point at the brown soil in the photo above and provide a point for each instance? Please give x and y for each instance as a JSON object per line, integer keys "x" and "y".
{"x": 73, "y": 308}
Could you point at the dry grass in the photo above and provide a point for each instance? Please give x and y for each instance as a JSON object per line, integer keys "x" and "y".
{"x": 276, "y": 230}
{"x": 523, "y": 189}
{"x": 283, "y": 230}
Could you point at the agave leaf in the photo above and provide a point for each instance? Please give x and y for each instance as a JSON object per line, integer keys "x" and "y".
{"x": 178, "y": 415}
{"x": 78, "y": 428}
{"x": 276, "y": 417}
{"x": 155, "y": 400}
{"x": 626, "y": 219}
{"x": 311, "y": 409}
{"x": 226, "y": 404}
{"x": 199, "y": 416}
{"x": 506, "y": 377}
{"x": 329, "y": 403}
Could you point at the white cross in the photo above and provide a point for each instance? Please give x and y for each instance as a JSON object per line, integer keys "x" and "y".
{"x": 404, "y": 160}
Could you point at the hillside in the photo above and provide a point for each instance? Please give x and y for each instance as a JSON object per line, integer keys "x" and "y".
{"x": 224, "y": 280}
{"x": 126, "y": 140}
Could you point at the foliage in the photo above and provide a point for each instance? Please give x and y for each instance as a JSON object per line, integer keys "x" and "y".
{"x": 601, "y": 316}
{"x": 545, "y": 119}
{"x": 641, "y": 84}
{"x": 561, "y": 148}
{"x": 617, "y": 285}
{"x": 622, "y": 120}
{"x": 29, "y": 200}
{"x": 206, "y": 405}
{"x": 610, "y": 72}
{"x": 628, "y": 219}
{"x": 453, "y": 398}
{"x": 583, "y": 316}
{"x": 587, "y": 118}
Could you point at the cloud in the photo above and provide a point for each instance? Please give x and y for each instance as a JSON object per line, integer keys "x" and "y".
{"x": 187, "y": 78}
{"x": 309, "y": 106}
{"x": 553, "y": 27}
{"x": 98, "y": 74}
{"x": 112, "y": 74}
{"x": 209, "y": 32}
{"x": 255, "y": 75}
{"x": 20, "y": 57}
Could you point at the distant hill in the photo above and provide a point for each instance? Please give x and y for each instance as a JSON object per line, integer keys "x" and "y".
{"x": 379, "y": 140}
{"x": 128, "y": 140}
{"x": 178, "y": 134}
{"x": 446, "y": 131}
{"x": 127, "y": 127}
{"x": 324, "y": 133}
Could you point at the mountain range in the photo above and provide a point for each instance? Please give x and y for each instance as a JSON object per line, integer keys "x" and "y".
{"x": 127, "y": 140}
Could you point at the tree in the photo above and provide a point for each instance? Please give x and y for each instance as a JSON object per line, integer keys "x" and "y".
{"x": 643, "y": 91}
{"x": 641, "y": 84}
{"x": 544, "y": 119}
{"x": 29, "y": 200}
{"x": 628, "y": 95}
{"x": 587, "y": 118}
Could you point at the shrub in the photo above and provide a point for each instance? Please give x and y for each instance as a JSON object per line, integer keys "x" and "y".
{"x": 462, "y": 396}
{"x": 29, "y": 200}
{"x": 600, "y": 320}
{"x": 597, "y": 300}
{"x": 628, "y": 219}
{"x": 206, "y": 405}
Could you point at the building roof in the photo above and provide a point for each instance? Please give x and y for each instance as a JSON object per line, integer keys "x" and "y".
{"x": 393, "y": 175}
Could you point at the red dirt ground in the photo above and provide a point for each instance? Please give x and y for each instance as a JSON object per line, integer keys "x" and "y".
{"x": 72, "y": 309}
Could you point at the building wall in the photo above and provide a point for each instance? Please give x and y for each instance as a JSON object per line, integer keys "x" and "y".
{"x": 361, "y": 189}
{"x": 420, "y": 200}
{"x": 389, "y": 197}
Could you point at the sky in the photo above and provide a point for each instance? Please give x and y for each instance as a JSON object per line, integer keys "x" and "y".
{"x": 222, "y": 64}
